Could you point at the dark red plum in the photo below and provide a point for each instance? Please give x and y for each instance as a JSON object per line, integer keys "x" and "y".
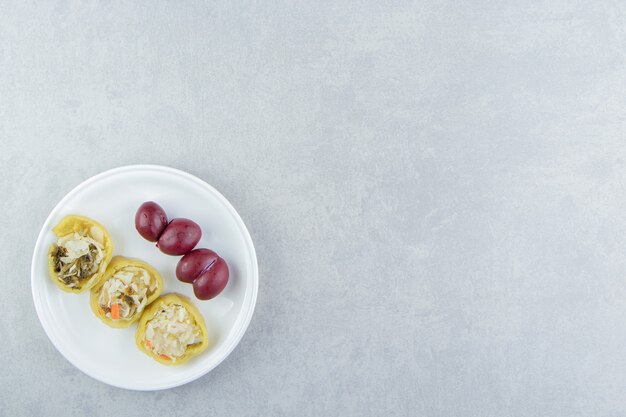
{"x": 179, "y": 237}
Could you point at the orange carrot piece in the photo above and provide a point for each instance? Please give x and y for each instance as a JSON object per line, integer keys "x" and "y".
{"x": 167, "y": 358}
{"x": 115, "y": 311}
{"x": 148, "y": 344}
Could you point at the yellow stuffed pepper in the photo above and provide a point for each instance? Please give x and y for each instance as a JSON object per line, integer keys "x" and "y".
{"x": 80, "y": 255}
{"x": 127, "y": 288}
{"x": 172, "y": 330}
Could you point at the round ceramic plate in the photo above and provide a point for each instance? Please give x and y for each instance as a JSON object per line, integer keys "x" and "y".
{"x": 112, "y": 198}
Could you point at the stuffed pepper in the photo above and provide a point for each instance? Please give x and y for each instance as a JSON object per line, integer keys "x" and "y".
{"x": 80, "y": 255}
{"x": 172, "y": 330}
{"x": 127, "y": 288}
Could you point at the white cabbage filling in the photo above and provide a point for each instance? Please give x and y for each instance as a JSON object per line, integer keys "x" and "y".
{"x": 171, "y": 331}
{"x": 78, "y": 256}
{"x": 129, "y": 288}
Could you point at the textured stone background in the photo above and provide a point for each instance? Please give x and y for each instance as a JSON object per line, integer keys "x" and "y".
{"x": 436, "y": 191}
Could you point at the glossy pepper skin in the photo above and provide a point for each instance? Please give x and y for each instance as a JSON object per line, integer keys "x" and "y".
{"x": 116, "y": 264}
{"x": 151, "y": 311}
{"x": 85, "y": 226}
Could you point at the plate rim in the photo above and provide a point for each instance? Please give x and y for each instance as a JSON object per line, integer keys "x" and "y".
{"x": 251, "y": 304}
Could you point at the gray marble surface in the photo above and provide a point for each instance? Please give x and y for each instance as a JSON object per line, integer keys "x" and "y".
{"x": 436, "y": 191}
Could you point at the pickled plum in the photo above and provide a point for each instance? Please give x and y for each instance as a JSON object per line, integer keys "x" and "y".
{"x": 195, "y": 263}
{"x": 179, "y": 237}
{"x": 150, "y": 221}
{"x": 205, "y": 270}
{"x": 212, "y": 281}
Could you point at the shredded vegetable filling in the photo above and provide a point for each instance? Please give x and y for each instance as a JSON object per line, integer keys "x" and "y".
{"x": 171, "y": 331}
{"x": 77, "y": 258}
{"x": 126, "y": 293}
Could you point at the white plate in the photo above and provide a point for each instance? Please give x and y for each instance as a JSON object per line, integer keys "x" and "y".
{"x": 112, "y": 198}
